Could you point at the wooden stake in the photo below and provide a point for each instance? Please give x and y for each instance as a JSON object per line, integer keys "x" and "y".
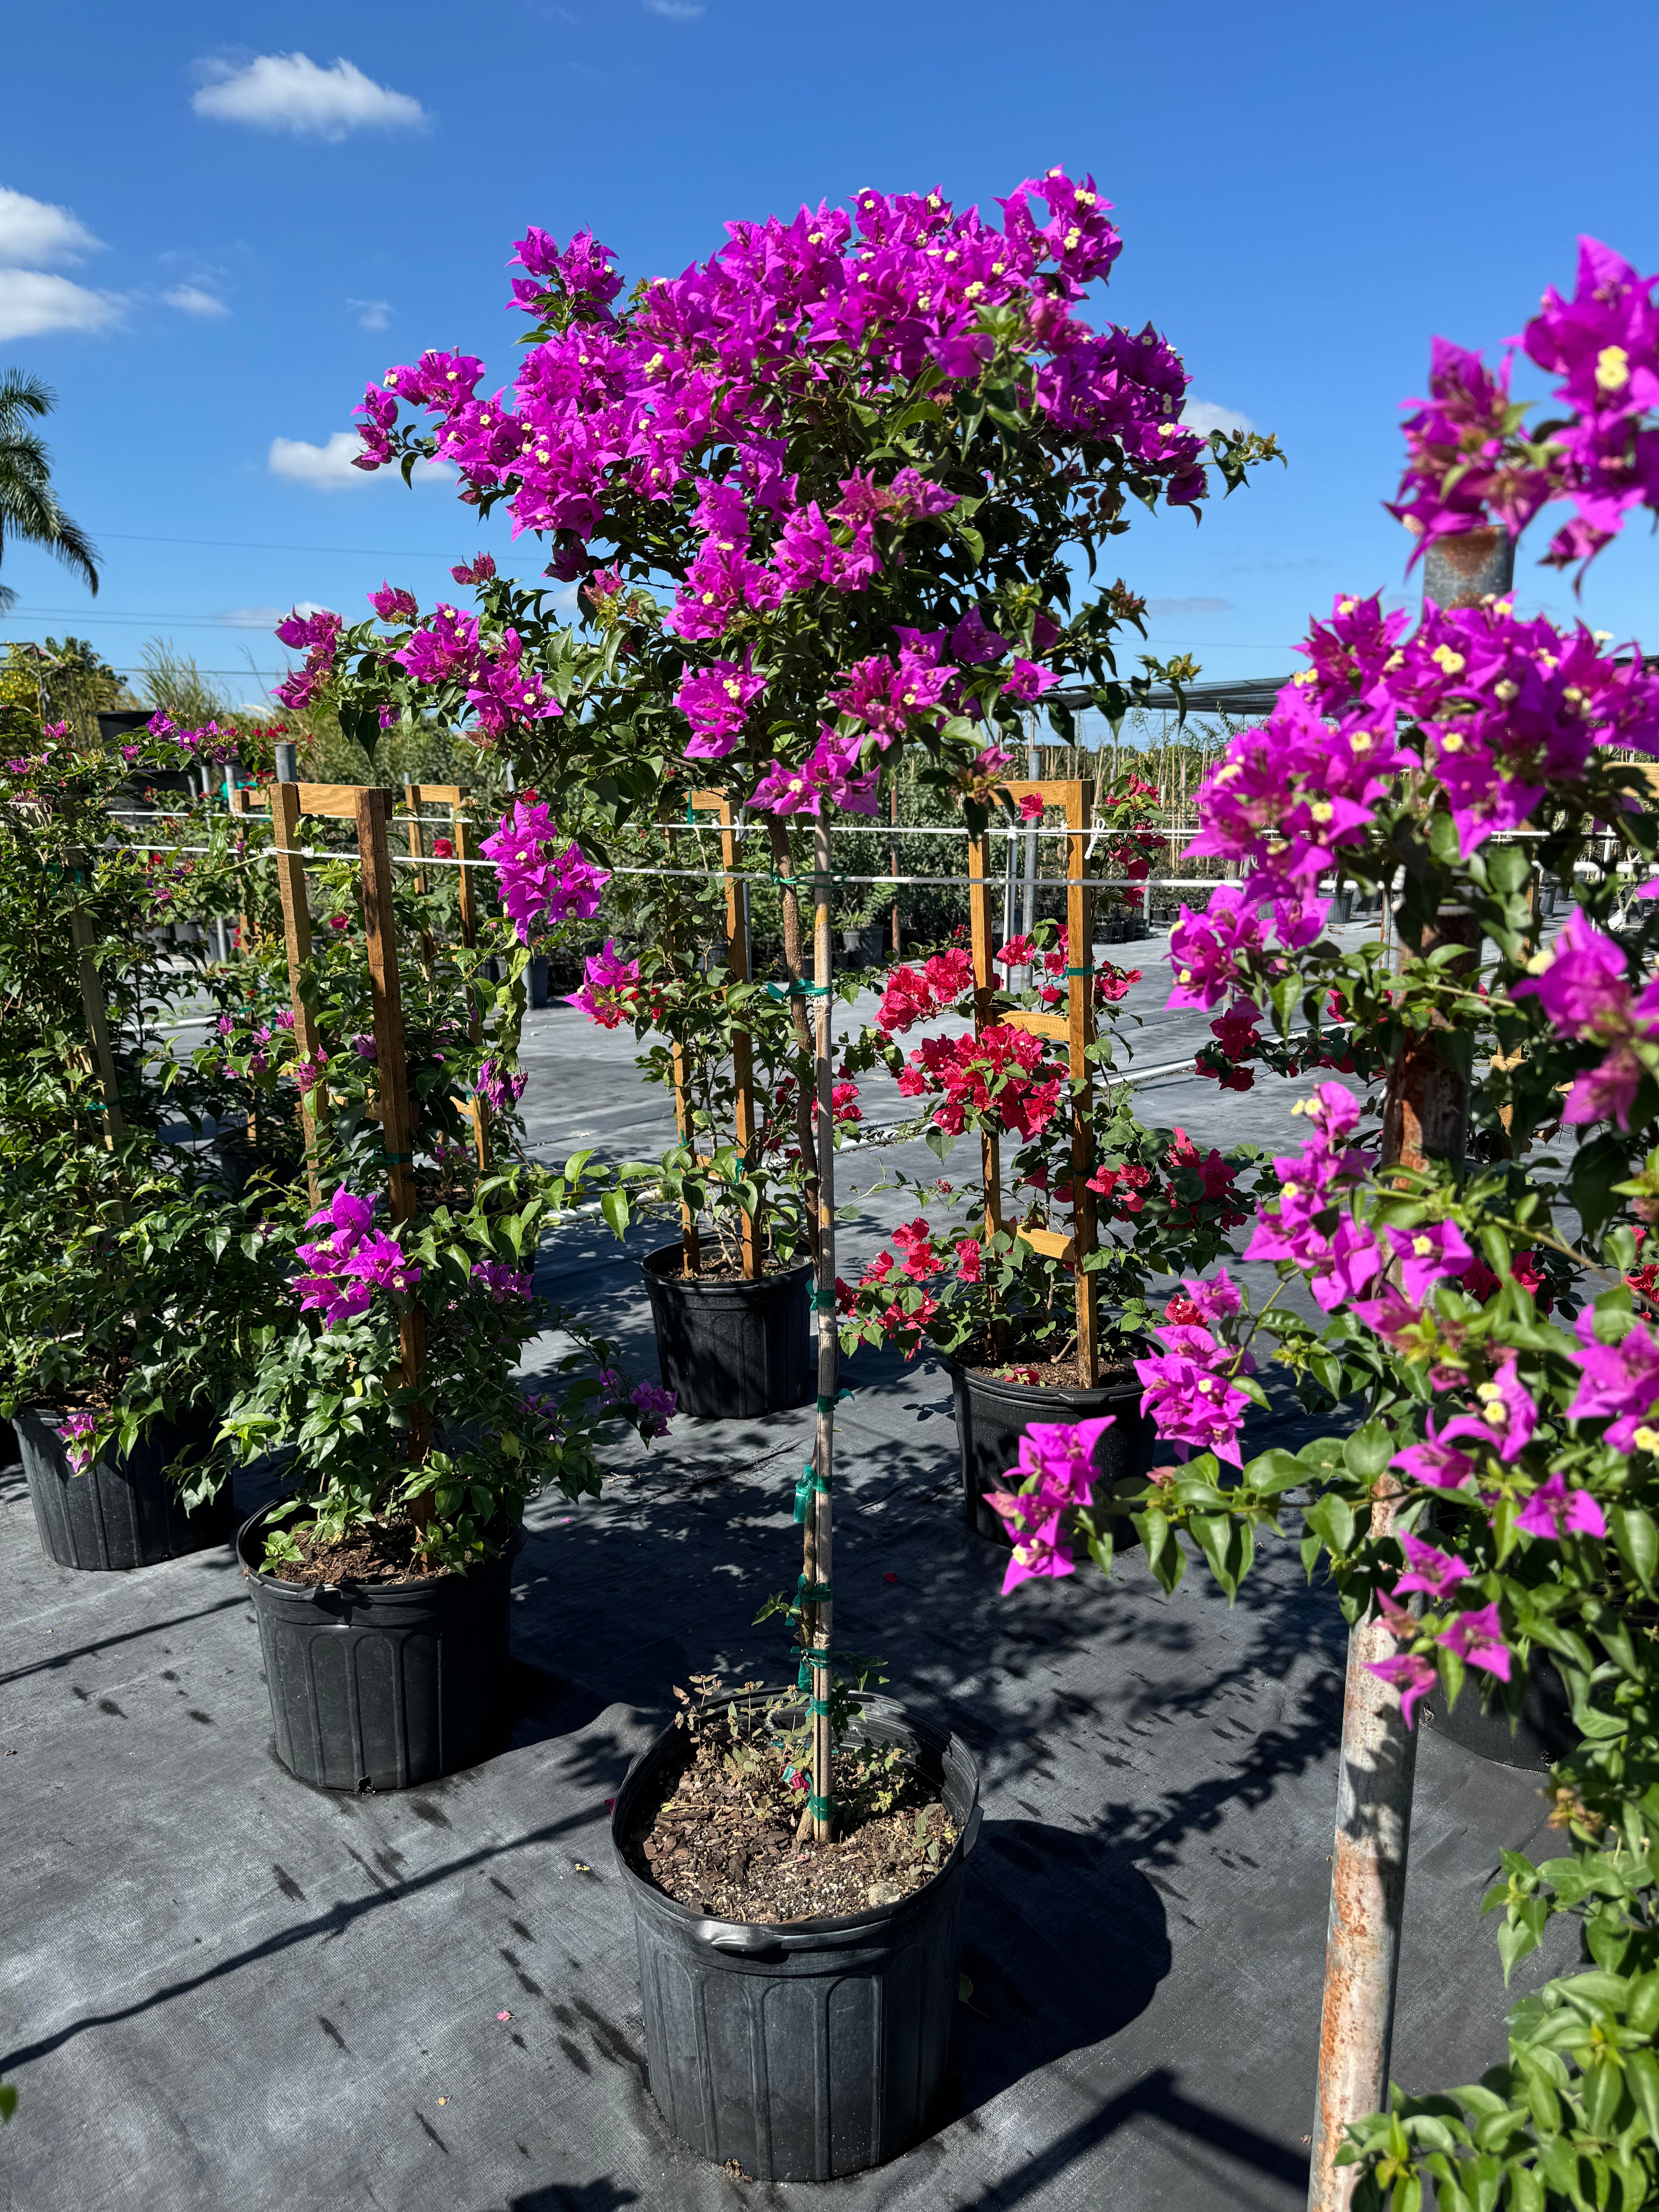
{"x": 468, "y": 898}
{"x": 742, "y": 1056}
{"x": 979, "y": 927}
{"x": 1080, "y": 1035}
{"x": 296, "y": 935}
{"x": 685, "y": 1122}
{"x": 392, "y": 1075}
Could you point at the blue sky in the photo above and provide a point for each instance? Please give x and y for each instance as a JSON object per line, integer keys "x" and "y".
{"x": 243, "y": 241}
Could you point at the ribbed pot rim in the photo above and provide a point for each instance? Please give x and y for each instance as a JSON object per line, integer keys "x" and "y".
{"x": 1038, "y": 1395}
{"x": 417, "y": 1593}
{"x": 797, "y": 1936}
{"x": 657, "y": 1266}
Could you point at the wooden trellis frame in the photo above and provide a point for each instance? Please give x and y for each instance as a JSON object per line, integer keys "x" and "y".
{"x": 1076, "y": 1027}
{"x": 338, "y": 800}
{"x": 742, "y": 1072}
{"x": 370, "y": 807}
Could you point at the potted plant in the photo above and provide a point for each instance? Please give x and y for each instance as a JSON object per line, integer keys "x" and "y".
{"x": 868, "y": 503}
{"x": 996, "y": 1291}
{"x": 1472, "y": 1219}
{"x": 730, "y": 1297}
{"x": 381, "y": 1581}
{"x": 127, "y": 1281}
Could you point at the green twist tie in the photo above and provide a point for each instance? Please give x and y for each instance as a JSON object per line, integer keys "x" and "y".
{"x": 818, "y": 1304}
{"x": 784, "y": 991}
{"x": 804, "y": 1675}
{"x": 814, "y": 1593}
{"x": 1079, "y": 971}
{"x": 819, "y": 1808}
{"x": 828, "y": 1405}
{"x": 406, "y": 1158}
{"x": 817, "y": 1709}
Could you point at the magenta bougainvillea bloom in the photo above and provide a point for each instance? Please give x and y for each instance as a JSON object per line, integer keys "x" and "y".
{"x": 1428, "y": 1569}
{"x": 827, "y": 777}
{"x": 716, "y": 701}
{"x": 1204, "y": 948}
{"x": 539, "y": 885}
{"x": 500, "y": 1280}
{"x": 354, "y": 1260}
{"x": 1477, "y": 1640}
{"x": 1427, "y": 1255}
{"x": 1582, "y": 981}
{"x": 500, "y": 1088}
{"x": 1620, "y": 1382}
{"x": 1062, "y": 1454}
{"x": 394, "y": 606}
{"x": 610, "y": 990}
{"x": 1553, "y": 1511}
{"x": 1187, "y": 1392}
{"x": 76, "y": 1433}
{"x": 1508, "y": 1415}
{"x": 1411, "y": 1672}
{"x": 1435, "y": 1463}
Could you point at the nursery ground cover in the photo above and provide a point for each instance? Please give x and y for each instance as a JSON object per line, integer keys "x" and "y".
{"x": 226, "y": 1988}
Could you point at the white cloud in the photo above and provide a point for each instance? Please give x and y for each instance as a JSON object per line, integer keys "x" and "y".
{"x": 677, "y": 11}
{"x": 1199, "y": 606}
{"x": 190, "y": 299}
{"x": 290, "y": 92}
{"x": 329, "y": 468}
{"x": 33, "y": 231}
{"x": 1203, "y": 416}
{"x": 33, "y": 303}
{"x": 371, "y": 314}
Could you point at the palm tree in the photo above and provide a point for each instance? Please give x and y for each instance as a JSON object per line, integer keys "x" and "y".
{"x": 28, "y": 505}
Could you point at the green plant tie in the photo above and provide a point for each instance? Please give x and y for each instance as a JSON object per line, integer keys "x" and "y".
{"x": 1079, "y": 971}
{"x": 813, "y": 1593}
{"x": 810, "y": 1481}
{"x": 819, "y": 1808}
{"x": 787, "y": 991}
{"x": 828, "y": 1405}
{"x": 817, "y": 1709}
{"x": 406, "y": 1159}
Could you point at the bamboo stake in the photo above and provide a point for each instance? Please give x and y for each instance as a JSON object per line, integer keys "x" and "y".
{"x": 296, "y": 935}
{"x": 824, "y": 1450}
{"x": 743, "y": 1057}
{"x": 783, "y": 869}
{"x": 979, "y": 920}
{"x": 397, "y": 1139}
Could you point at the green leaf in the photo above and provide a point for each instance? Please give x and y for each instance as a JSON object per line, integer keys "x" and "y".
{"x": 1332, "y": 1518}
{"x": 1368, "y": 1449}
{"x": 616, "y": 1211}
{"x": 1642, "y": 2078}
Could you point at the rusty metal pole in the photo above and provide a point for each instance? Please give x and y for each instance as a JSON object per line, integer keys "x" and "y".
{"x": 1425, "y": 1116}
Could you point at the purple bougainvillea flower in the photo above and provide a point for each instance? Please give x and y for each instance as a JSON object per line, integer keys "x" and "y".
{"x": 1427, "y": 1253}
{"x": 1411, "y": 1672}
{"x": 1039, "y": 1553}
{"x": 1508, "y": 1415}
{"x": 1606, "y": 1092}
{"x": 1429, "y": 1569}
{"x": 1553, "y": 1511}
{"x": 1062, "y": 1454}
{"x": 1477, "y": 1640}
{"x": 1435, "y": 1463}
{"x": 1621, "y": 1381}
{"x": 1583, "y": 983}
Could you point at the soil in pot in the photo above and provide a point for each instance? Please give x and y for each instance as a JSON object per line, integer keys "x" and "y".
{"x": 370, "y": 1554}
{"x": 723, "y": 1841}
{"x": 731, "y": 1348}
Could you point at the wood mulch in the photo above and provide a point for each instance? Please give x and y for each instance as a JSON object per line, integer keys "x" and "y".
{"x": 369, "y": 1554}
{"x": 723, "y": 1840}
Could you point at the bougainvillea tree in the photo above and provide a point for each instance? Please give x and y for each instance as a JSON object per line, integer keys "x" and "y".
{"x": 829, "y": 493}
{"x": 1461, "y": 1242}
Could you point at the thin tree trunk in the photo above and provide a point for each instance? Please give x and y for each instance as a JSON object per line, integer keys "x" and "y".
{"x": 783, "y": 867}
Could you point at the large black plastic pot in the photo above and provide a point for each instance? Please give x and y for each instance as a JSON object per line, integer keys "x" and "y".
{"x": 817, "y": 2048}
{"x": 376, "y": 1687}
{"x": 122, "y": 1512}
{"x": 1543, "y": 1734}
{"x": 992, "y": 1417}
{"x": 732, "y": 1350}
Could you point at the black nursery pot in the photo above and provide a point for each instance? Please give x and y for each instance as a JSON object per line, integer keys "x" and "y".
{"x": 1543, "y": 1734}
{"x": 993, "y": 1416}
{"x": 732, "y": 1350}
{"x": 815, "y": 2049}
{"x": 122, "y": 1512}
{"x": 378, "y": 1686}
